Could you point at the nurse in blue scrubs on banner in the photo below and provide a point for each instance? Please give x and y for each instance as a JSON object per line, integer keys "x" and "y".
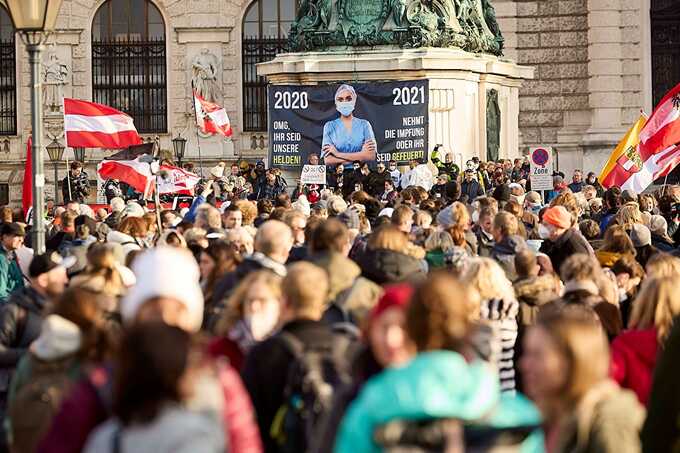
{"x": 347, "y": 138}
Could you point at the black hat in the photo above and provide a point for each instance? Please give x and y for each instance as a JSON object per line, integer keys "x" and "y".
{"x": 44, "y": 263}
{"x": 12, "y": 229}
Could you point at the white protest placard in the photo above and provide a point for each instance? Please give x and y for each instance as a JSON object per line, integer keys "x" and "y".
{"x": 541, "y": 160}
{"x": 313, "y": 174}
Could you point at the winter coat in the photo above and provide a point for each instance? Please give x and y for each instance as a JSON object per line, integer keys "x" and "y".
{"x": 633, "y": 360}
{"x": 484, "y": 243}
{"x": 176, "y": 429}
{"x": 425, "y": 389}
{"x": 661, "y": 431}
{"x": 21, "y": 320}
{"x": 662, "y": 243}
{"x": 79, "y": 188}
{"x": 501, "y": 316}
{"x": 607, "y": 259}
{"x": 11, "y": 277}
{"x": 572, "y": 241}
{"x": 86, "y": 407}
{"x": 532, "y": 293}
{"x": 386, "y": 266}
{"x": 472, "y": 189}
{"x": 347, "y": 289}
{"x": 265, "y": 371}
{"x": 606, "y": 420}
{"x": 504, "y": 252}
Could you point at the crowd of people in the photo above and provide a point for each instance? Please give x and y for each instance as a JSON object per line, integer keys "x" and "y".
{"x": 423, "y": 310}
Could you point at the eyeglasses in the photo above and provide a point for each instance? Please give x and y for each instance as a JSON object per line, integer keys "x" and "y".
{"x": 345, "y": 99}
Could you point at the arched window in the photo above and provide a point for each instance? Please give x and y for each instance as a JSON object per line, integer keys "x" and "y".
{"x": 665, "y": 17}
{"x": 265, "y": 33}
{"x": 8, "y": 85}
{"x": 128, "y": 62}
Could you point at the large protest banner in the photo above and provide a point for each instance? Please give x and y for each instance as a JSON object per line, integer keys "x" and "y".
{"x": 344, "y": 122}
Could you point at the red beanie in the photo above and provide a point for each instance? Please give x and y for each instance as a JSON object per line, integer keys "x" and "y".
{"x": 394, "y": 296}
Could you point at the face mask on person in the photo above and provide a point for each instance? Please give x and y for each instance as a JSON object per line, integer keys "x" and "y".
{"x": 345, "y": 108}
{"x": 263, "y": 323}
{"x": 544, "y": 232}
{"x": 518, "y": 198}
{"x": 475, "y": 216}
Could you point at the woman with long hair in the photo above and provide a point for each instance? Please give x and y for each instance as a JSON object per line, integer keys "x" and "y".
{"x": 616, "y": 244}
{"x": 251, "y": 314}
{"x": 565, "y": 369}
{"x": 634, "y": 352}
{"x": 215, "y": 261}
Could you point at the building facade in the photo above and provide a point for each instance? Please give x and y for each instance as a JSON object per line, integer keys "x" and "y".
{"x": 598, "y": 63}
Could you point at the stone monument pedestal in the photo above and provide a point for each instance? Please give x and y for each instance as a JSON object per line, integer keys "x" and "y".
{"x": 460, "y": 83}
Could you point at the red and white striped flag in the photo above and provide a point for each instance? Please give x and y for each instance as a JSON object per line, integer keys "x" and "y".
{"x": 90, "y": 125}
{"x": 177, "y": 180}
{"x": 210, "y": 117}
{"x": 135, "y": 173}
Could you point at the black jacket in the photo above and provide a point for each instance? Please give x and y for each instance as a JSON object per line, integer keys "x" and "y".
{"x": 266, "y": 369}
{"x": 572, "y": 241}
{"x": 21, "y": 320}
{"x": 376, "y": 182}
{"x": 386, "y": 266}
{"x": 80, "y": 188}
{"x": 472, "y": 189}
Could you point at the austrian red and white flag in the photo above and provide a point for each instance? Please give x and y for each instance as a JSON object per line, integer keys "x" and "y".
{"x": 90, "y": 125}
{"x": 136, "y": 173}
{"x": 662, "y": 129}
{"x": 211, "y": 118}
{"x": 177, "y": 180}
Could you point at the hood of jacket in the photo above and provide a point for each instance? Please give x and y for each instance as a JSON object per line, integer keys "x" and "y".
{"x": 117, "y": 237}
{"x": 58, "y": 338}
{"x": 386, "y": 266}
{"x": 537, "y": 290}
{"x": 509, "y": 245}
{"x": 342, "y": 271}
{"x": 424, "y": 389}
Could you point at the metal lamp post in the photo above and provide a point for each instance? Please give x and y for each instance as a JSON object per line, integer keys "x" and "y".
{"x": 34, "y": 19}
{"x": 56, "y": 152}
{"x": 79, "y": 154}
{"x": 179, "y": 144}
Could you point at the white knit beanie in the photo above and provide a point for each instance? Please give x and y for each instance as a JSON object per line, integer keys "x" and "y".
{"x": 165, "y": 272}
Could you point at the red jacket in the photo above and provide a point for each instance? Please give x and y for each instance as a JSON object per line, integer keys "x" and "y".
{"x": 633, "y": 360}
{"x": 84, "y": 409}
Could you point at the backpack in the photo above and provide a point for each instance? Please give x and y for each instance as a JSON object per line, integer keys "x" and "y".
{"x": 36, "y": 403}
{"x": 316, "y": 371}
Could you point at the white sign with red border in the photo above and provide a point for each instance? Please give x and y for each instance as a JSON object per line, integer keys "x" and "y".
{"x": 541, "y": 160}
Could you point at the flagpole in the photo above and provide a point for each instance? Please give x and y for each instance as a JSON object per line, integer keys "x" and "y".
{"x": 68, "y": 181}
{"x": 198, "y": 140}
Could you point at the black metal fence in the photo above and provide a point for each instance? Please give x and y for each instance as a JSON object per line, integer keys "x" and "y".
{"x": 130, "y": 75}
{"x": 8, "y": 88}
{"x": 257, "y": 50}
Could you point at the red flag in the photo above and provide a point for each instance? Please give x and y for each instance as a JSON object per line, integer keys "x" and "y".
{"x": 135, "y": 173}
{"x": 27, "y": 188}
{"x": 210, "y": 117}
{"x": 662, "y": 129}
{"x": 90, "y": 125}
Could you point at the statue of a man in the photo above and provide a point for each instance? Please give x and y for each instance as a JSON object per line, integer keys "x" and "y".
{"x": 55, "y": 74}
{"x": 204, "y": 75}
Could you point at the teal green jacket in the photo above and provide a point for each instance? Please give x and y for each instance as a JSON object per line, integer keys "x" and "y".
{"x": 11, "y": 277}
{"x": 439, "y": 384}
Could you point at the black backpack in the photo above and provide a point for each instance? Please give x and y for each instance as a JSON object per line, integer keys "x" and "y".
{"x": 315, "y": 373}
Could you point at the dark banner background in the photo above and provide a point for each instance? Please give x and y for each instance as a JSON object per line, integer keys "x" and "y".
{"x": 297, "y": 115}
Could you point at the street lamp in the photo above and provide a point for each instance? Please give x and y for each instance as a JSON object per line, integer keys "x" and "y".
{"x": 179, "y": 143}
{"x": 34, "y": 19}
{"x": 56, "y": 152}
{"x": 79, "y": 154}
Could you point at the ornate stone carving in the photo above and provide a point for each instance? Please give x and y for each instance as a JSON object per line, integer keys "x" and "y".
{"x": 468, "y": 24}
{"x": 493, "y": 125}
{"x": 55, "y": 75}
{"x": 204, "y": 70}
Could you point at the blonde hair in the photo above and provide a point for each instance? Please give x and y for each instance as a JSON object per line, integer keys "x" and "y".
{"x": 305, "y": 289}
{"x": 663, "y": 265}
{"x": 656, "y": 305}
{"x": 388, "y": 237}
{"x": 488, "y": 278}
{"x": 628, "y": 215}
{"x": 235, "y": 303}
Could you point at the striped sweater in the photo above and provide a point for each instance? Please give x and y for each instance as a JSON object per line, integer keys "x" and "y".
{"x": 501, "y": 316}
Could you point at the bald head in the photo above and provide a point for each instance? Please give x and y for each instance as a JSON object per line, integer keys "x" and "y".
{"x": 274, "y": 239}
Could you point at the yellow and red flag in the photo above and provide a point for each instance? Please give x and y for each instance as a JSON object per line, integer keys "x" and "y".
{"x": 625, "y": 160}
